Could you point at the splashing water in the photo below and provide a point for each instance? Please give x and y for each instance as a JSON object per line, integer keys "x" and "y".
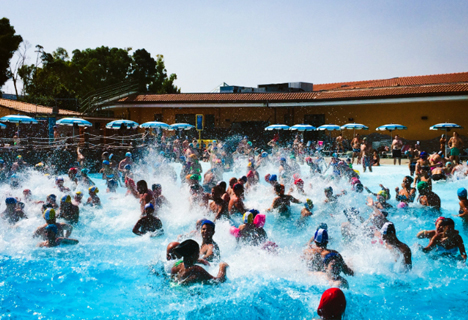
{"x": 113, "y": 273}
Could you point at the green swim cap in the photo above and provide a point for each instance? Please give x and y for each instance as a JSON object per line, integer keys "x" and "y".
{"x": 422, "y": 185}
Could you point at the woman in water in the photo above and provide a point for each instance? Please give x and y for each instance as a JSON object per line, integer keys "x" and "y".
{"x": 93, "y": 199}
{"x": 283, "y": 201}
{"x": 407, "y": 194}
{"x": 186, "y": 272}
{"x": 448, "y": 241}
{"x": 52, "y": 239}
{"x": 462, "y": 196}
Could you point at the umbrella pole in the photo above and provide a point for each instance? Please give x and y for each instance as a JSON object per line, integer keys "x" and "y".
{"x": 445, "y": 143}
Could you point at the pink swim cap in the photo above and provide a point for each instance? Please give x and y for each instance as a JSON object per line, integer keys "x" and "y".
{"x": 402, "y": 205}
{"x": 234, "y": 231}
{"x": 259, "y": 220}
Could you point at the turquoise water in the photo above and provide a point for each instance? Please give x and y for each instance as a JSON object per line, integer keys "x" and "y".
{"x": 112, "y": 273}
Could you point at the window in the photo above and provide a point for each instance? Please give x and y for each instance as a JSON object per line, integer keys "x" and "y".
{"x": 209, "y": 121}
{"x": 185, "y": 118}
{"x": 314, "y": 119}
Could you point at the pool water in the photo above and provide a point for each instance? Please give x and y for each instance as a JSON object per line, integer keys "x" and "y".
{"x": 112, "y": 273}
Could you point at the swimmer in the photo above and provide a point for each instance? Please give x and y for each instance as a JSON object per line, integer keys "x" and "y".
{"x": 78, "y": 197}
{"x": 391, "y": 241}
{"x": 218, "y": 205}
{"x": 307, "y": 210}
{"x": 366, "y": 150}
{"x": 12, "y": 213}
{"x": 299, "y": 183}
{"x": 186, "y": 272}
{"x": 429, "y": 234}
{"x": 209, "y": 250}
{"x": 85, "y": 179}
{"x": 330, "y": 197}
{"x": 112, "y": 186}
{"x": 248, "y": 232}
{"x": 146, "y": 195}
{"x": 128, "y": 160}
{"x": 72, "y": 172}
{"x": 448, "y": 241}
{"x": 229, "y": 190}
{"x": 427, "y": 197}
{"x": 68, "y": 211}
{"x": 59, "y": 184}
{"x": 93, "y": 199}
{"x": 148, "y": 223}
{"x": 236, "y": 204}
{"x": 355, "y": 144}
{"x": 455, "y": 144}
{"x": 63, "y": 229}
{"x": 385, "y": 192}
{"x": 170, "y": 253}
{"x": 131, "y": 188}
{"x": 332, "y": 304}
{"x": 407, "y": 194}
{"x": 52, "y": 240}
{"x": 283, "y": 201}
{"x": 463, "y": 203}
{"x": 159, "y": 199}
{"x": 50, "y": 202}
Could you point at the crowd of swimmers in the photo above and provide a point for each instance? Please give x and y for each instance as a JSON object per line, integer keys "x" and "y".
{"x": 225, "y": 200}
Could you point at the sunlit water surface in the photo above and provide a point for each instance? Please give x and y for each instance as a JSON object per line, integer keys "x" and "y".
{"x": 112, "y": 273}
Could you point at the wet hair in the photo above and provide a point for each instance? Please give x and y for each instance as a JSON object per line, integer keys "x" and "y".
{"x": 187, "y": 248}
{"x": 143, "y": 184}
{"x": 410, "y": 179}
{"x": 222, "y": 186}
{"x": 447, "y": 222}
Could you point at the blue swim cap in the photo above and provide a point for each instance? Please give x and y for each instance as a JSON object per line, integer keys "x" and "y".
{"x": 335, "y": 155}
{"x": 462, "y": 193}
{"x": 254, "y": 212}
{"x": 128, "y": 154}
{"x": 282, "y": 159}
{"x": 10, "y": 200}
{"x": 52, "y": 227}
{"x": 2, "y": 161}
{"x": 321, "y": 236}
{"x": 149, "y": 205}
{"x": 127, "y": 167}
{"x": 111, "y": 155}
{"x": 182, "y": 158}
{"x": 208, "y": 222}
{"x": 273, "y": 177}
{"x": 105, "y": 162}
{"x": 264, "y": 155}
{"x": 85, "y": 171}
{"x": 162, "y": 153}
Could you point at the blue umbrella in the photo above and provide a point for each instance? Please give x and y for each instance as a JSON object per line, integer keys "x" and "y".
{"x": 72, "y": 121}
{"x": 391, "y": 127}
{"x": 329, "y": 127}
{"x": 445, "y": 126}
{"x": 354, "y": 126}
{"x": 17, "y": 118}
{"x": 181, "y": 126}
{"x": 302, "y": 127}
{"x": 2, "y": 126}
{"x": 277, "y": 127}
{"x": 117, "y": 124}
{"x": 155, "y": 124}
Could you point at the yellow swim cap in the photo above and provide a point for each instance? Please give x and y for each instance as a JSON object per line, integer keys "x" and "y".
{"x": 248, "y": 217}
{"x": 49, "y": 214}
{"x": 93, "y": 189}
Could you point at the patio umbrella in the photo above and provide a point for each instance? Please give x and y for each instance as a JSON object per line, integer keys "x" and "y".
{"x": 155, "y": 125}
{"x": 329, "y": 127}
{"x": 354, "y": 127}
{"x": 277, "y": 127}
{"x": 302, "y": 127}
{"x": 446, "y": 127}
{"x": 181, "y": 126}
{"x": 74, "y": 122}
{"x": 391, "y": 127}
{"x": 2, "y": 126}
{"x": 117, "y": 124}
{"x": 17, "y": 118}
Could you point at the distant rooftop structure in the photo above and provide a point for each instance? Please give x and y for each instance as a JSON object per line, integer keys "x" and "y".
{"x": 272, "y": 87}
{"x": 15, "y": 106}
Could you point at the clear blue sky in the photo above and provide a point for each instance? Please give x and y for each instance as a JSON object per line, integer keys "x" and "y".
{"x": 252, "y": 42}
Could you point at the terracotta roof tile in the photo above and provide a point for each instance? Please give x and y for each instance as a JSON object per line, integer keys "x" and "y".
{"x": 30, "y": 108}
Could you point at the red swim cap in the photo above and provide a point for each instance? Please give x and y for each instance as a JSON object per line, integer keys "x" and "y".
{"x": 267, "y": 177}
{"x": 332, "y": 304}
{"x": 298, "y": 181}
{"x": 250, "y": 174}
{"x": 295, "y": 176}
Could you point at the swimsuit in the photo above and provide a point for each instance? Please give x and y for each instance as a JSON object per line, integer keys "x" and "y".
{"x": 454, "y": 151}
{"x": 328, "y": 258}
{"x": 367, "y": 160}
{"x": 443, "y": 250}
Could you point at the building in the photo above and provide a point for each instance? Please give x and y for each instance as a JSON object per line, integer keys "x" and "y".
{"x": 417, "y": 102}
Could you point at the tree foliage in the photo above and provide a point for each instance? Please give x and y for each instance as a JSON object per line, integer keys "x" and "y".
{"x": 9, "y": 43}
{"x": 59, "y": 76}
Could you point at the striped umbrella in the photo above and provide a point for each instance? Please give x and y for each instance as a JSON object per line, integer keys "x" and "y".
{"x": 117, "y": 124}
{"x": 391, "y": 127}
{"x": 354, "y": 126}
{"x": 155, "y": 125}
{"x": 329, "y": 127}
{"x": 277, "y": 127}
{"x": 181, "y": 126}
{"x": 2, "y": 126}
{"x": 74, "y": 121}
{"x": 302, "y": 127}
{"x": 445, "y": 126}
{"x": 17, "y": 118}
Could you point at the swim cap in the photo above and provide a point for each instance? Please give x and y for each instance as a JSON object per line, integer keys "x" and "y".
{"x": 249, "y": 143}
{"x": 295, "y": 176}
{"x": 382, "y": 193}
{"x": 10, "y": 200}
{"x": 247, "y": 217}
{"x": 93, "y": 189}
{"x": 73, "y": 170}
{"x": 308, "y": 160}
{"x": 328, "y": 189}
{"x": 66, "y": 198}
{"x": 19, "y": 156}
{"x": 111, "y": 183}
{"x": 243, "y": 178}
{"x": 387, "y": 227}
{"x": 128, "y": 154}
{"x": 84, "y": 171}
{"x": 439, "y": 219}
{"x": 335, "y": 155}
{"x": 259, "y": 220}
{"x": 2, "y": 161}
{"x": 299, "y": 181}
{"x": 162, "y": 153}
{"x": 323, "y": 226}
{"x": 250, "y": 174}
{"x": 267, "y": 177}
{"x": 422, "y": 185}
{"x": 448, "y": 163}
{"x": 254, "y": 212}
{"x": 264, "y": 155}
{"x": 27, "y": 191}
{"x": 273, "y": 177}
{"x": 462, "y": 193}
{"x": 52, "y": 227}
{"x": 292, "y": 157}
{"x": 149, "y": 206}
{"x": 208, "y": 222}
{"x": 58, "y": 179}
{"x": 423, "y": 155}
{"x": 332, "y": 304}
{"x": 308, "y": 204}
{"x": 282, "y": 159}
{"x": 402, "y": 205}
{"x": 187, "y": 248}
{"x": 127, "y": 167}
{"x": 234, "y": 231}
{"x": 79, "y": 193}
{"x": 279, "y": 188}
{"x": 321, "y": 236}
{"x": 52, "y": 196}
{"x": 105, "y": 162}
{"x": 410, "y": 179}
{"x": 238, "y": 187}
{"x": 156, "y": 186}
{"x": 195, "y": 177}
{"x": 49, "y": 214}
{"x": 110, "y": 156}
{"x": 348, "y": 160}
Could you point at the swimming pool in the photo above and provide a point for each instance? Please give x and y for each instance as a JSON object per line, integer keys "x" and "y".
{"x": 112, "y": 273}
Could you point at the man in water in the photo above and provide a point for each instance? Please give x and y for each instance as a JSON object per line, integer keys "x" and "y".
{"x": 187, "y": 272}
{"x": 391, "y": 241}
{"x": 146, "y": 195}
{"x": 93, "y": 199}
{"x": 128, "y": 160}
{"x": 218, "y": 205}
{"x": 53, "y": 240}
{"x": 427, "y": 197}
{"x": 63, "y": 229}
{"x": 148, "y": 223}
{"x": 236, "y": 205}
{"x": 397, "y": 144}
{"x": 448, "y": 241}
{"x": 68, "y": 211}
{"x": 209, "y": 250}
{"x": 12, "y": 213}
{"x": 339, "y": 143}
{"x": 283, "y": 201}
{"x": 455, "y": 144}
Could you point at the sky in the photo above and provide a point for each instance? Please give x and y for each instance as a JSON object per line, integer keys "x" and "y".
{"x": 248, "y": 43}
